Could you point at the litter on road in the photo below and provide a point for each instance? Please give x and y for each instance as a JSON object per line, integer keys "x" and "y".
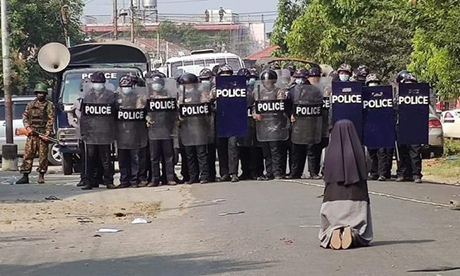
{"x": 140, "y": 221}
{"x": 231, "y": 213}
{"x": 108, "y": 230}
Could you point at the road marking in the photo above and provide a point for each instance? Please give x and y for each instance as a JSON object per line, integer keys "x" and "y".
{"x": 379, "y": 194}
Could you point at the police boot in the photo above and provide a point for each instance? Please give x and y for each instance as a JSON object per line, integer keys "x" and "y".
{"x": 24, "y": 179}
{"x": 41, "y": 178}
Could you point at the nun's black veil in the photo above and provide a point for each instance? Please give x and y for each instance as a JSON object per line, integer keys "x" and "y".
{"x": 345, "y": 163}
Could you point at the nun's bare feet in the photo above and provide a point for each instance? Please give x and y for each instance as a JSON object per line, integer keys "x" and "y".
{"x": 347, "y": 238}
{"x": 336, "y": 241}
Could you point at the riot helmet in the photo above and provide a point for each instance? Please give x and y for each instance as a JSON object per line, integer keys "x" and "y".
{"x": 345, "y": 72}
{"x": 292, "y": 69}
{"x": 126, "y": 84}
{"x": 268, "y": 78}
{"x": 188, "y": 82}
{"x": 300, "y": 76}
{"x": 314, "y": 75}
{"x": 225, "y": 70}
{"x": 362, "y": 72}
{"x": 98, "y": 80}
{"x": 405, "y": 77}
{"x": 373, "y": 80}
{"x": 205, "y": 74}
{"x": 157, "y": 82}
{"x": 41, "y": 90}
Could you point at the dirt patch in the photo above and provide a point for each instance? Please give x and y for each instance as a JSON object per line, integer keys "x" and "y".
{"x": 103, "y": 208}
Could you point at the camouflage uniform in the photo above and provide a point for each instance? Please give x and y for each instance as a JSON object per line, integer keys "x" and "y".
{"x": 39, "y": 116}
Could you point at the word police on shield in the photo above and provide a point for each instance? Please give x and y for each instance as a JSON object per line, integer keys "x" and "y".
{"x": 231, "y": 108}
{"x": 347, "y": 104}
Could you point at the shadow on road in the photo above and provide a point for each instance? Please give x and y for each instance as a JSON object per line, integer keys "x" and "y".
{"x": 183, "y": 264}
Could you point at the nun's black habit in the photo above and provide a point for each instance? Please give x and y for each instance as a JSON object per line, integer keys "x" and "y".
{"x": 346, "y": 199}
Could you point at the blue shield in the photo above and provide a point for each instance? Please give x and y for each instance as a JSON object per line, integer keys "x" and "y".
{"x": 347, "y": 104}
{"x": 413, "y": 113}
{"x": 378, "y": 117}
{"x": 231, "y": 93}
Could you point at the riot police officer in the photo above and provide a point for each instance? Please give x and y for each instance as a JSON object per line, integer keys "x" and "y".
{"x": 131, "y": 132}
{"x": 344, "y": 72}
{"x": 97, "y": 129}
{"x": 251, "y": 155}
{"x": 381, "y": 159}
{"x": 161, "y": 123}
{"x": 196, "y": 130}
{"x": 272, "y": 124}
{"x": 306, "y": 118}
{"x": 207, "y": 79}
{"x": 227, "y": 148}
{"x": 410, "y": 163}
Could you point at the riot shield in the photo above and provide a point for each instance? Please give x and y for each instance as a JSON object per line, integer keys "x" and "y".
{"x": 231, "y": 109}
{"x": 347, "y": 104}
{"x": 325, "y": 86}
{"x": 131, "y": 128}
{"x": 250, "y": 139}
{"x": 378, "y": 117}
{"x": 284, "y": 78}
{"x": 162, "y": 109}
{"x": 97, "y": 116}
{"x": 272, "y": 111}
{"x": 413, "y": 113}
{"x": 308, "y": 105}
{"x": 195, "y": 115}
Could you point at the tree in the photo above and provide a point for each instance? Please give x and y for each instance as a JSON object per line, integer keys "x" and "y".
{"x": 34, "y": 23}
{"x": 436, "y": 55}
{"x": 288, "y": 11}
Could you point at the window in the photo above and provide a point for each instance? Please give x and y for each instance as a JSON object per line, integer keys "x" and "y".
{"x": 234, "y": 63}
{"x": 220, "y": 61}
{"x": 188, "y": 63}
{"x": 199, "y": 63}
{"x": 210, "y": 63}
{"x": 176, "y": 69}
{"x": 18, "y": 110}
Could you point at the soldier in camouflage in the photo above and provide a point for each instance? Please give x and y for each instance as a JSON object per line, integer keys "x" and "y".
{"x": 38, "y": 119}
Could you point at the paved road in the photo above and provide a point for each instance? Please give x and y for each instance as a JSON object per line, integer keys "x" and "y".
{"x": 276, "y": 235}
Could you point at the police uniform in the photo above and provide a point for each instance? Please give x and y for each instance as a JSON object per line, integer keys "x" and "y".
{"x": 97, "y": 129}
{"x": 38, "y": 119}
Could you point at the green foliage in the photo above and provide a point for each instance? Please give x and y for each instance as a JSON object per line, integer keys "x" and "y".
{"x": 451, "y": 147}
{"x": 33, "y": 23}
{"x": 388, "y": 36}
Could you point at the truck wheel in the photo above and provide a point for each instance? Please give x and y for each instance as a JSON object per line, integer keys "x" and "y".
{"x": 54, "y": 155}
{"x": 67, "y": 163}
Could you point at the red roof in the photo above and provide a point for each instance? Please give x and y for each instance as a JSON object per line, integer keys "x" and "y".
{"x": 265, "y": 53}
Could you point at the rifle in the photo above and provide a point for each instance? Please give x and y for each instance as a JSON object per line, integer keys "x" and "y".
{"x": 24, "y": 132}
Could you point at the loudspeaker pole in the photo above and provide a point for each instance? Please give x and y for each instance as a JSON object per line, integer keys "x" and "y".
{"x": 115, "y": 19}
{"x": 10, "y": 150}
{"x": 132, "y": 21}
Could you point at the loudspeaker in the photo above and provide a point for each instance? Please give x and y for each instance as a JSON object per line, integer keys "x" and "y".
{"x": 54, "y": 57}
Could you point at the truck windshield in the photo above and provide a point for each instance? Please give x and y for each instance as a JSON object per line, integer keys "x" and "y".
{"x": 72, "y": 85}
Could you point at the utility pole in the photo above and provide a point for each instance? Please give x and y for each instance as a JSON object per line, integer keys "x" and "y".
{"x": 115, "y": 19}
{"x": 132, "y": 21}
{"x": 10, "y": 150}
{"x": 65, "y": 23}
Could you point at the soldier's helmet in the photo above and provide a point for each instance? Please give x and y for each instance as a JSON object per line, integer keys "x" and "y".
{"x": 362, "y": 71}
{"x": 98, "y": 77}
{"x": 244, "y": 72}
{"x": 301, "y": 73}
{"x": 205, "y": 74}
{"x": 268, "y": 75}
{"x": 345, "y": 68}
{"x": 188, "y": 78}
{"x": 41, "y": 88}
{"x": 372, "y": 78}
{"x": 314, "y": 72}
{"x": 225, "y": 70}
{"x": 292, "y": 69}
{"x": 126, "y": 81}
